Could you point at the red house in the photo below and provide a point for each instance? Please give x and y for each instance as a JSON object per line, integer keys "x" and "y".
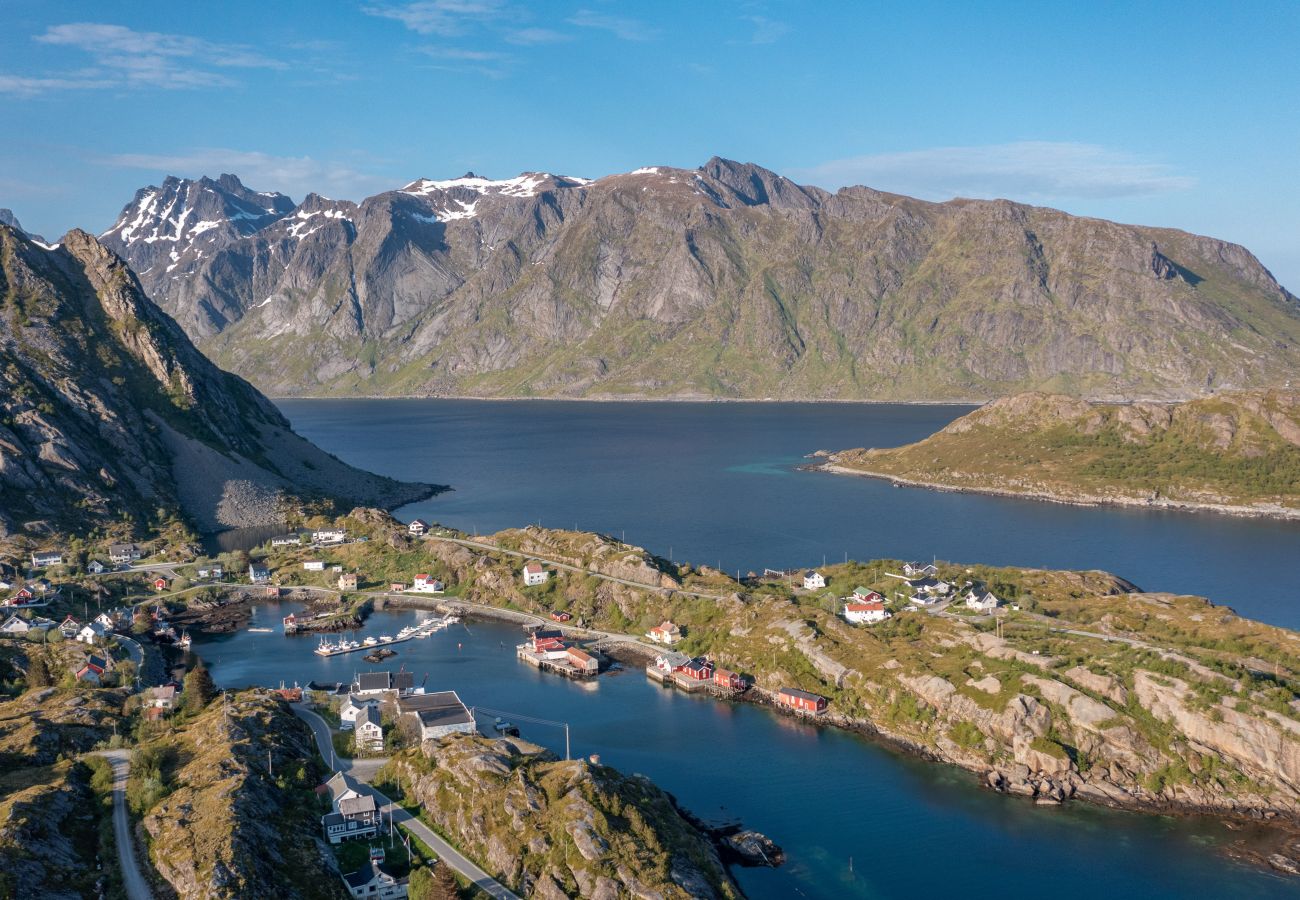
{"x": 732, "y": 681}
{"x": 698, "y": 668}
{"x": 561, "y": 616}
{"x": 160, "y": 583}
{"x": 803, "y": 701}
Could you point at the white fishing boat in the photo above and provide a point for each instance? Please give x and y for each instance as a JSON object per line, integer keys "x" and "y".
{"x": 371, "y": 641}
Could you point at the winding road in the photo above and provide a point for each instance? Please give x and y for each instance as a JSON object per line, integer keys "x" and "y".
{"x": 137, "y": 888}
{"x": 363, "y": 770}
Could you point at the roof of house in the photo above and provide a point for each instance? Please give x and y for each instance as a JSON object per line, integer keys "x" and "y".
{"x": 810, "y": 574}
{"x": 341, "y": 783}
{"x": 533, "y": 568}
{"x": 582, "y": 655}
{"x": 375, "y": 681}
{"x": 362, "y": 876}
{"x": 438, "y": 708}
{"x": 419, "y": 522}
{"x": 163, "y": 692}
{"x": 864, "y": 607}
{"x": 674, "y": 658}
{"x": 355, "y": 806}
{"x": 368, "y": 716}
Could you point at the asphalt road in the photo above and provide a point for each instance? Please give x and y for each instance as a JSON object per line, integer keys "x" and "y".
{"x": 363, "y": 770}
{"x": 137, "y": 888}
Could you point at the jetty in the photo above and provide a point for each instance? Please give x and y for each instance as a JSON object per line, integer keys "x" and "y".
{"x": 370, "y": 644}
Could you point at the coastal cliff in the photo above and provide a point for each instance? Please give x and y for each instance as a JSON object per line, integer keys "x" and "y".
{"x": 1235, "y": 452}
{"x": 555, "y": 829}
{"x": 110, "y": 419}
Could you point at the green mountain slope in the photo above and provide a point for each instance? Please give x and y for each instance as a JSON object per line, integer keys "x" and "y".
{"x": 1236, "y": 451}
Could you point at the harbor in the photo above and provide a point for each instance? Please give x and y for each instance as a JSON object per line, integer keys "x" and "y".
{"x": 374, "y": 642}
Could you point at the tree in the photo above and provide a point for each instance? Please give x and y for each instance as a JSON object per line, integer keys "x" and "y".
{"x": 199, "y": 689}
{"x": 140, "y": 622}
{"x": 432, "y": 882}
{"x": 38, "y": 672}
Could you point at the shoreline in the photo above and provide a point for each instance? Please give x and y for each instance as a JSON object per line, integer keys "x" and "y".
{"x": 1276, "y": 833}
{"x": 1279, "y": 514}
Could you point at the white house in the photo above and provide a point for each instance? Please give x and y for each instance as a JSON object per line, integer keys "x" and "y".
{"x": 920, "y": 570}
{"x": 163, "y": 697}
{"x": 373, "y": 883}
{"x": 95, "y": 567}
{"x": 15, "y": 625}
{"x": 69, "y": 627}
{"x": 534, "y": 574}
{"x": 285, "y": 540}
{"x": 427, "y": 584}
{"x": 921, "y": 598}
{"x": 352, "y": 707}
{"x": 329, "y": 536}
{"x": 417, "y": 528}
{"x": 123, "y": 554}
{"x": 813, "y": 580}
{"x": 314, "y": 565}
{"x": 437, "y": 715}
{"x": 258, "y": 574}
{"x": 981, "y": 600}
{"x": 865, "y": 613}
{"x": 92, "y": 633}
{"x": 43, "y": 559}
{"x": 218, "y": 572}
{"x": 930, "y": 585}
{"x": 369, "y": 730}
{"x": 665, "y": 633}
{"x": 105, "y": 621}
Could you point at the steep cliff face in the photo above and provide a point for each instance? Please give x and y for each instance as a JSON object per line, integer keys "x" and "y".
{"x": 1235, "y": 452}
{"x": 724, "y": 281}
{"x": 109, "y": 417}
{"x": 555, "y": 829}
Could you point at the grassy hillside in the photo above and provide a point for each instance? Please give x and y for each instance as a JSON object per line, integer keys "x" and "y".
{"x": 1239, "y": 450}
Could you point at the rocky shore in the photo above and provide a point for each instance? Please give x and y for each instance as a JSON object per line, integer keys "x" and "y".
{"x": 1069, "y": 499}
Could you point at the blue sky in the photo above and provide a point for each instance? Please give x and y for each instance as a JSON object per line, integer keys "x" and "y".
{"x": 1181, "y": 114}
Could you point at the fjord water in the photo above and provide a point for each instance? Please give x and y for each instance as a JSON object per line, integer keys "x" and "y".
{"x": 718, "y": 483}
{"x": 857, "y": 820}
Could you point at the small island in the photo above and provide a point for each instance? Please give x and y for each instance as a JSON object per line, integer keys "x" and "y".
{"x": 1235, "y": 453}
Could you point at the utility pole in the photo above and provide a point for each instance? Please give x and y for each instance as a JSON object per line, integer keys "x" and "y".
{"x": 566, "y": 741}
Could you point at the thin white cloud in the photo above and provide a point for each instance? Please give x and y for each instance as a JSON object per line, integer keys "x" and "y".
{"x": 766, "y": 31}
{"x": 292, "y": 175}
{"x": 1029, "y": 170}
{"x": 124, "y": 58}
{"x": 619, "y": 26}
{"x": 527, "y": 37}
{"x": 446, "y": 18}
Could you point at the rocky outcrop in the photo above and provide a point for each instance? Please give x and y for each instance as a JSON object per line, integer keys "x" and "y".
{"x": 228, "y": 828}
{"x": 108, "y": 412}
{"x": 559, "y": 829}
{"x": 44, "y": 832}
{"x": 723, "y": 281}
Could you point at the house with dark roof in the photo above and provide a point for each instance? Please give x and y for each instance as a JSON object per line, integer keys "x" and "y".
{"x": 813, "y": 580}
{"x": 370, "y": 881}
{"x": 372, "y": 683}
{"x": 802, "y": 701}
{"x": 123, "y": 554}
{"x": 417, "y": 527}
{"x": 437, "y": 715}
{"x": 354, "y": 815}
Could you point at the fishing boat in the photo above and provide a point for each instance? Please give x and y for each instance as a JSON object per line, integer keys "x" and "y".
{"x": 261, "y": 630}
{"x": 184, "y": 641}
{"x": 370, "y": 641}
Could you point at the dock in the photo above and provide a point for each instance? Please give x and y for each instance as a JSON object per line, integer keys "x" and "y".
{"x": 558, "y": 666}
{"x": 423, "y": 630}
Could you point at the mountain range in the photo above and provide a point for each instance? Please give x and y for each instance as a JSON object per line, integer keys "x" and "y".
{"x": 726, "y": 281}
{"x": 112, "y": 422}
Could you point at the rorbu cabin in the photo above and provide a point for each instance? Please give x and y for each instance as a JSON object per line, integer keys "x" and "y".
{"x": 803, "y": 701}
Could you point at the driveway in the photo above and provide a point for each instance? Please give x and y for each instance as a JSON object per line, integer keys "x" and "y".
{"x": 137, "y": 888}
